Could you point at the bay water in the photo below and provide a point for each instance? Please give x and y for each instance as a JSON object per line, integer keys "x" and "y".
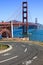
{"x": 33, "y": 34}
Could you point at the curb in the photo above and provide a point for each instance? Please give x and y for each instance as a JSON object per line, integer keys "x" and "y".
{"x": 3, "y": 51}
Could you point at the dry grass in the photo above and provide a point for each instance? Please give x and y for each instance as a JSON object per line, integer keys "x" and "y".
{"x": 3, "y": 47}
{"x": 21, "y": 40}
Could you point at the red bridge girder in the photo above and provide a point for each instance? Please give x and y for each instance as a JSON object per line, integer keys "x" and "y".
{"x": 6, "y": 24}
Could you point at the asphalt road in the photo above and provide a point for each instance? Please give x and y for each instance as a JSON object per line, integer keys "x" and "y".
{"x": 22, "y": 54}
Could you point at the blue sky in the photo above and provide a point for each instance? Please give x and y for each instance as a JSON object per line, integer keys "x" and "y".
{"x": 12, "y": 10}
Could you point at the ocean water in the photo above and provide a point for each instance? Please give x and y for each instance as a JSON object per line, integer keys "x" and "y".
{"x": 33, "y": 34}
{"x": 36, "y": 35}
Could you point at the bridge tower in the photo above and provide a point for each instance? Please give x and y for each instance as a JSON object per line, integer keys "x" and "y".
{"x": 36, "y": 20}
{"x": 24, "y": 17}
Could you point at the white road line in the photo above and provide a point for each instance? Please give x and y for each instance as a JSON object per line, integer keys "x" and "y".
{"x": 6, "y": 54}
{"x": 25, "y": 50}
{"x": 29, "y": 62}
{"x": 8, "y": 59}
{"x": 23, "y": 45}
{"x": 34, "y": 57}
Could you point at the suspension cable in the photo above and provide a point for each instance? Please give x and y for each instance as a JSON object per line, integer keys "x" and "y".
{"x": 16, "y": 16}
{"x": 30, "y": 15}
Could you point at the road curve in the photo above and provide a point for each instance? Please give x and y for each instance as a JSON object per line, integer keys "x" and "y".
{"x": 22, "y": 54}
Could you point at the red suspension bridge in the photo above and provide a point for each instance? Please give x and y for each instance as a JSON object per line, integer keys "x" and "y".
{"x": 6, "y": 28}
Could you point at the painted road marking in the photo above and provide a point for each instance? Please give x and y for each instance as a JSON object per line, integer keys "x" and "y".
{"x": 25, "y": 50}
{"x": 6, "y": 54}
{"x": 23, "y": 45}
{"x": 29, "y": 62}
{"x": 34, "y": 57}
{"x": 8, "y": 59}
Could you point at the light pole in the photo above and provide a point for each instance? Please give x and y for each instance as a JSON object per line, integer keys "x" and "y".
{"x": 12, "y": 29}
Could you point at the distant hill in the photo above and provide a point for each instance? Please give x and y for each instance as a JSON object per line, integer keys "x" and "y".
{"x": 40, "y": 26}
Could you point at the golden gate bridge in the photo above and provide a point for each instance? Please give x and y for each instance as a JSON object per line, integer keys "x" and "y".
{"x": 6, "y": 28}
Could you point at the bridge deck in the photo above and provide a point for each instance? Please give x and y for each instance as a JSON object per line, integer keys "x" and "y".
{"x": 16, "y": 23}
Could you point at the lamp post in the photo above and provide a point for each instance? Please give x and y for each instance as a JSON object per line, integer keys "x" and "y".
{"x": 12, "y": 29}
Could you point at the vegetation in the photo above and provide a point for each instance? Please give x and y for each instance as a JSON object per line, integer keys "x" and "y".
{"x": 3, "y": 47}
